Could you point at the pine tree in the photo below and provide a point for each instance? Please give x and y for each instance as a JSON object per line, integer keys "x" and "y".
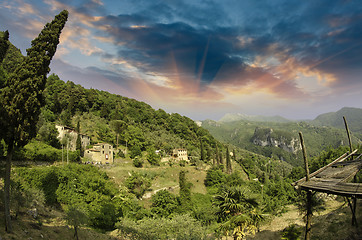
{"x": 22, "y": 96}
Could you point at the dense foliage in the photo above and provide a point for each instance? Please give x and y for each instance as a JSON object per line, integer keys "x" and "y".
{"x": 21, "y": 95}
{"x": 108, "y": 117}
{"x": 76, "y": 185}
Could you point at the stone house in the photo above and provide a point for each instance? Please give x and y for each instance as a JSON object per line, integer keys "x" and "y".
{"x": 69, "y": 136}
{"x": 180, "y": 154}
{"x": 100, "y": 153}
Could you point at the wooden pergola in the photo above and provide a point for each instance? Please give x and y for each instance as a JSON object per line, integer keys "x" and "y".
{"x": 334, "y": 178}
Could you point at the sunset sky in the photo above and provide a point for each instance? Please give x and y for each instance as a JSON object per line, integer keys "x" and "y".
{"x": 202, "y": 59}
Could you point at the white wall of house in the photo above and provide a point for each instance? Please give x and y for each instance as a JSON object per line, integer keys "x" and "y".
{"x": 72, "y": 135}
{"x": 101, "y": 153}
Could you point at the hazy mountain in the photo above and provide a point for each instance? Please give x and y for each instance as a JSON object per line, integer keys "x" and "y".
{"x": 231, "y": 117}
{"x": 335, "y": 119}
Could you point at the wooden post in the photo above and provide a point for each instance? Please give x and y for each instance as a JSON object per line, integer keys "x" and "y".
{"x": 309, "y": 193}
{"x": 348, "y": 135}
{"x": 354, "y": 219}
{"x": 354, "y": 199}
{"x": 304, "y": 156}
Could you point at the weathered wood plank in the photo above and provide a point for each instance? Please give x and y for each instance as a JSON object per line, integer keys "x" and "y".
{"x": 344, "y": 189}
{"x": 340, "y": 159}
{"x": 345, "y": 163}
{"x": 341, "y": 172}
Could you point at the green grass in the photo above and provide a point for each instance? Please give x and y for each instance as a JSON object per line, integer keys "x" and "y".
{"x": 165, "y": 176}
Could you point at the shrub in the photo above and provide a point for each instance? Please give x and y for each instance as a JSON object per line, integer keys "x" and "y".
{"x": 153, "y": 158}
{"x": 138, "y": 184}
{"x": 74, "y": 184}
{"x": 164, "y": 203}
{"x": 179, "y": 227}
{"x": 138, "y": 162}
{"x": 214, "y": 176}
{"x": 291, "y": 233}
{"x": 135, "y": 151}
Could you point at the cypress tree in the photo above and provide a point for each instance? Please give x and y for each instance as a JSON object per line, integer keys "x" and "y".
{"x": 4, "y": 45}
{"x": 22, "y": 96}
{"x": 185, "y": 191}
{"x": 202, "y": 158}
{"x": 79, "y": 141}
{"x": 228, "y": 161}
{"x": 217, "y": 155}
{"x": 220, "y": 158}
{"x": 208, "y": 154}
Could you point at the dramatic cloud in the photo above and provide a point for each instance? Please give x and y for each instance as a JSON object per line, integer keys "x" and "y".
{"x": 210, "y": 55}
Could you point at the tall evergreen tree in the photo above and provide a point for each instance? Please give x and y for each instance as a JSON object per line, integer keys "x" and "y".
{"x": 228, "y": 161}
{"x": 220, "y": 158}
{"x": 202, "y": 157}
{"x": 79, "y": 141}
{"x": 22, "y": 96}
{"x": 185, "y": 191}
{"x": 208, "y": 154}
{"x": 217, "y": 155}
{"x": 4, "y": 45}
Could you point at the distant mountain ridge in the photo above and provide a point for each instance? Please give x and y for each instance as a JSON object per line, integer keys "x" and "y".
{"x": 232, "y": 117}
{"x": 335, "y": 119}
{"x": 277, "y": 137}
{"x": 330, "y": 119}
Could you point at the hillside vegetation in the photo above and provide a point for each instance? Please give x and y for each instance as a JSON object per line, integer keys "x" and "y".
{"x": 317, "y": 138}
{"x": 334, "y": 119}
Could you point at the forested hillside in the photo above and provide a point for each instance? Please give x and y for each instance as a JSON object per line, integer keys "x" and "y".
{"x": 241, "y": 134}
{"x": 333, "y": 119}
{"x": 103, "y": 116}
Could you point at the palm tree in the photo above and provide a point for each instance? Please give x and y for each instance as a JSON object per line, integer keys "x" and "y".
{"x": 237, "y": 208}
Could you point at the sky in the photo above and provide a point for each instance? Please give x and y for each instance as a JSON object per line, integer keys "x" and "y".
{"x": 203, "y": 59}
